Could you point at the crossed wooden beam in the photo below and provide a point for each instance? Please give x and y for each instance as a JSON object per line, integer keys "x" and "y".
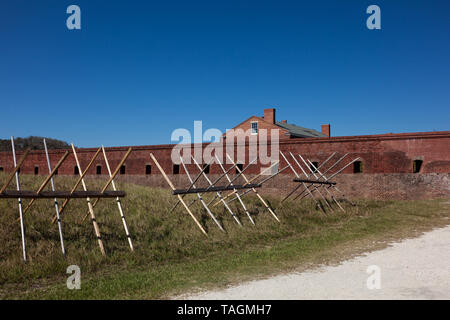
{"x": 316, "y": 181}
{"x": 213, "y": 187}
{"x": 67, "y": 195}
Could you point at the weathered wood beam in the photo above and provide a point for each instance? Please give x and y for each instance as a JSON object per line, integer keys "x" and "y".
{"x": 314, "y": 181}
{"x": 215, "y": 189}
{"x": 11, "y": 194}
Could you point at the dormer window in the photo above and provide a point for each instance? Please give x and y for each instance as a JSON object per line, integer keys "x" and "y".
{"x": 254, "y": 128}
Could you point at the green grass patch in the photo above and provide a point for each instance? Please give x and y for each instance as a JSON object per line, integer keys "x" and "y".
{"x": 172, "y": 256}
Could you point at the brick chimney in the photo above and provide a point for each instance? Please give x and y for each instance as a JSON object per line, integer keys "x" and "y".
{"x": 269, "y": 115}
{"x": 284, "y": 121}
{"x": 326, "y": 129}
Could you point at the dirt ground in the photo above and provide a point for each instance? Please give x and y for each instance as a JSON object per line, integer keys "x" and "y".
{"x": 416, "y": 268}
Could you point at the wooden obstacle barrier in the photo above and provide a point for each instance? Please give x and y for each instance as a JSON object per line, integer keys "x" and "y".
{"x": 317, "y": 181}
{"x": 66, "y": 195}
{"x": 214, "y": 187}
{"x": 312, "y": 180}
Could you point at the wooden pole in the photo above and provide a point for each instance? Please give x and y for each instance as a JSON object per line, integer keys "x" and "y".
{"x": 47, "y": 180}
{"x": 304, "y": 185}
{"x": 237, "y": 194}
{"x": 200, "y": 197}
{"x": 218, "y": 194}
{"x": 339, "y": 171}
{"x": 119, "y": 204}
{"x": 241, "y": 172}
{"x": 322, "y": 175}
{"x": 334, "y": 164}
{"x": 231, "y": 182}
{"x": 179, "y": 196}
{"x": 91, "y": 209}
{"x": 323, "y": 187}
{"x": 326, "y": 188}
{"x": 111, "y": 179}
{"x": 328, "y": 159}
{"x": 332, "y": 176}
{"x": 293, "y": 191}
{"x": 192, "y": 184}
{"x": 262, "y": 182}
{"x": 212, "y": 189}
{"x": 55, "y": 200}
{"x": 27, "y": 194}
{"x": 297, "y": 196}
{"x": 253, "y": 179}
{"x": 215, "y": 181}
{"x": 307, "y": 176}
{"x": 256, "y": 192}
{"x": 22, "y": 228}
{"x": 80, "y": 179}
{"x": 13, "y": 173}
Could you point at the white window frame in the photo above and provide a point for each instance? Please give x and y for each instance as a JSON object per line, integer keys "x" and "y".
{"x": 251, "y": 127}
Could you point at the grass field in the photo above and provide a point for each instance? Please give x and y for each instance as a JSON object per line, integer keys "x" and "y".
{"x": 172, "y": 256}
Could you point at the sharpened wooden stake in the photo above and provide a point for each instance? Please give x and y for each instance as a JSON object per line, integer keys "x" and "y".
{"x": 55, "y": 201}
{"x": 91, "y": 209}
{"x": 256, "y": 192}
{"x": 47, "y": 180}
{"x": 237, "y": 194}
{"x": 261, "y": 183}
{"x": 179, "y": 196}
{"x": 313, "y": 185}
{"x": 16, "y": 169}
{"x": 218, "y": 193}
{"x": 304, "y": 185}
{"x": 328, "y": 159}
{"x": 251, "y": 180}
{"x": 80, "y": 179}
{"x": 200, "y": 197}
{"x": 326, "y": 180}
{"x": 119, "y": 204}
{"x": 22, "y": 227}
{"x": 190, "y": 187}
{"x": 111, "y": 179}
{"x": 322, "y": 175}
{"x": 214, "y": 182}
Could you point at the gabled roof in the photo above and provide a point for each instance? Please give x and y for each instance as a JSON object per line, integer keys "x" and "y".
{"x": 301, "y": 132}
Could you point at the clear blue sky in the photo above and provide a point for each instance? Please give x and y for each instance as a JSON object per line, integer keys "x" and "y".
{"x": 139, "y": 69}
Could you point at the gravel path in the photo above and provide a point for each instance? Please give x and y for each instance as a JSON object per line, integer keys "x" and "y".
{"x": 412, "y": 269}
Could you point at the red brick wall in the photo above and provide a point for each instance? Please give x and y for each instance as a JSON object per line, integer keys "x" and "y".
{"x": 372, "y": 186}
{"x": 393, "y": 153}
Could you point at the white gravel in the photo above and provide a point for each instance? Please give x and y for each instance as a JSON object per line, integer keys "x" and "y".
{"x": 412, "y": 269}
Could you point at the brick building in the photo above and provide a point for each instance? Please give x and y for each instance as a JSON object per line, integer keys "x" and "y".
{"x": 254, "y": 125}
{"x": 425, "y": 153}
